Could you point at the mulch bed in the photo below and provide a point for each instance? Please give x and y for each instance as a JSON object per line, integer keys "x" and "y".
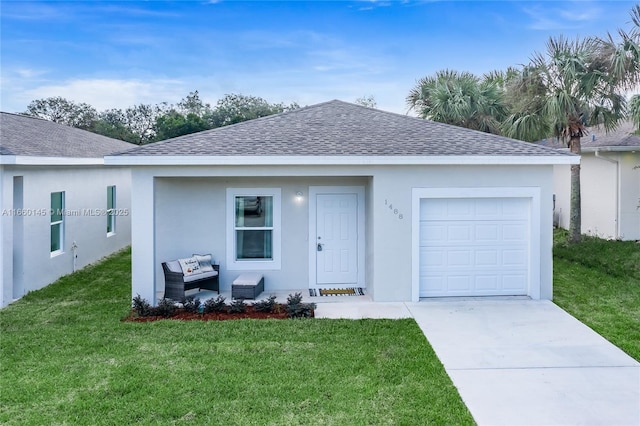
{"x": 181, "y": 315}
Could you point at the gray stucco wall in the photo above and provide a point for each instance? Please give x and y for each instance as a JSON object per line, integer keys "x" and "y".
{"x": 179, "y": 211}
{"x": 190, "y": 217}
{"x": 27, "y": 262}
{"x": 610, "y": 192}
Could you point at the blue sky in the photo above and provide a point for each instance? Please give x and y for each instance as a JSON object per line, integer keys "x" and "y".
{"x": 117, "y": 54}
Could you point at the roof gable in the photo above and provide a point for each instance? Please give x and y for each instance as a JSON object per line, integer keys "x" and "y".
{"x": 22, "y": 135}
{"x": 338, "y": 128}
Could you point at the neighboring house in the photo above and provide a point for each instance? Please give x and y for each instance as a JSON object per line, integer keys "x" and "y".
{"x": 609, "y": 183}
{"x": 61, "y": 208}
{"x": 339, "y": 195}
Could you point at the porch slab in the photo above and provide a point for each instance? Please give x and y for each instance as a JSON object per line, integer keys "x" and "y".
{"x": 344, "y": 310}
{"x": 357, "y": 310}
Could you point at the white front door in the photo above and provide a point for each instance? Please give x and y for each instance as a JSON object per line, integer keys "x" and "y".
{"x": 336, "y": 237}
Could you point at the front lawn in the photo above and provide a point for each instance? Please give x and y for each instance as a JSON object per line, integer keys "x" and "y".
{"x": 598, "y": 282}
{"x": 66, "y": 358}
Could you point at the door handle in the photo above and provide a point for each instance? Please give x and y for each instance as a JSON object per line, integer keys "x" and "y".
{"x": 319, "y": 247}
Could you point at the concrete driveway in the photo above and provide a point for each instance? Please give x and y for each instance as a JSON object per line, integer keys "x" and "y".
{"x": 522, "y": 362}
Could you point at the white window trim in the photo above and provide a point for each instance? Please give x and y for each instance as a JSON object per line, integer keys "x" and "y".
{"x": 111, "y": 217}
{"x": 59, "y": 222}
{"x": 248, "y": 265}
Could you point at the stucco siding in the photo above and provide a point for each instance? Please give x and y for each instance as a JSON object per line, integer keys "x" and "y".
{"x": 629, "y": 195}
{"x": 28, "y": 263}
{"x": 562, "y": 191}
{"x": 610, "y": 189}
{"x": 191, "y": 217}
{"x": 598, "y": 183}
{"x": 182, "y": 210}
{"x": 394, "y": 234}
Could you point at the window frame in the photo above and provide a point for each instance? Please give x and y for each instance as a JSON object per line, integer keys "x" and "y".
{"x": 254, "y": 264}
{"x": 111, "y": 217}
{"x": 58, "y": 223}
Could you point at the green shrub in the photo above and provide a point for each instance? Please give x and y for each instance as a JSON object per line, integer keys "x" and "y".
{"x": 191, "y": 304}
{"x": 296, "y": 309}
{"x": 237, "y": 306}
{"x": 166, "y": 308}
{"x": 266, "y": 305}
{"x": 141, "y": 306}
{"x": 215, "y": 305}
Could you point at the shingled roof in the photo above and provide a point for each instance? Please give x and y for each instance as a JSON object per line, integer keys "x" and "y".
{"x": 22, "y": 135}
{"x": 338, "y": 128}
{"x": 597, "y": 137}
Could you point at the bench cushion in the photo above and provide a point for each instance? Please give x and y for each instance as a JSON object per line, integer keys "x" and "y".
{"x": 201, "y": 276}
{"x": 248, "y": 279}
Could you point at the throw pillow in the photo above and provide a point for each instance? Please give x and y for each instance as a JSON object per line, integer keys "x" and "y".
{"x": 189, "y": 266}
{"x": 205, "y": 262}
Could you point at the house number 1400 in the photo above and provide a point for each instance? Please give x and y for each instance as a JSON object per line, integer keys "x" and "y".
{"x": 395, "y": 211}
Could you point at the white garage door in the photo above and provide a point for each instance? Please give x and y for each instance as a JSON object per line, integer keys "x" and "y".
{"x": 474, "y": 246}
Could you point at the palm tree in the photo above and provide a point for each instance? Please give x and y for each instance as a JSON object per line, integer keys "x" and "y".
{"x": 461, "y": 99}
{"x": 634, "y": 111}
{"x": 565, "y": 89}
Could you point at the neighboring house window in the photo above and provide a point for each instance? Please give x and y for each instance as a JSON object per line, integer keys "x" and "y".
{"x": 57, "y": 222}
{"x": 111, "y": 207}
{"x": 253, "y": 236}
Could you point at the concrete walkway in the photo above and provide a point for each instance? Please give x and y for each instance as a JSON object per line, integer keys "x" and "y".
{"x": 520, "y": 362}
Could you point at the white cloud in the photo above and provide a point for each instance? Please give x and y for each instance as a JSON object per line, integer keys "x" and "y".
{"x": 570, "y": 16}
{"x": 29, "y": 73}
{"x": 106, "y": 94}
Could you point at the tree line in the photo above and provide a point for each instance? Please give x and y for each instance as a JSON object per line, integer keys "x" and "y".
{"x": 145, "y": 123}
{"x": 559, "y": 93}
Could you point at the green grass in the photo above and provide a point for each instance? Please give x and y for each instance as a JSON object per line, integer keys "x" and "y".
{"x": 598, "y": 282}
{"x": 66, "y": 358}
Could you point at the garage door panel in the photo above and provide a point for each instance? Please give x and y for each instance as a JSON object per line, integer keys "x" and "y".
{"x": 432, "y": 258}
{"x": 460, "y": 233}
{"x": 515, "y": 232}
{"x": 436, "y": 285}
{"x": 430, "y": 211}
{"x": 446, "y": 232}
{"x": 474, "y": 247}
{"x": 458, "y": 209}
{"x": 514, "y": 258}
{"x": 459, "y": 283}
{"x": 515, "y": 208}
{"x": 488, "y": 207}
{"x": 487, "y": 232}
{"x": 513, "y": 282}
{"x": 487, "y": 282}
{"x": 487, "y": 258}
{"x": 434, "y": 233}
{"x": 458, "y": 258}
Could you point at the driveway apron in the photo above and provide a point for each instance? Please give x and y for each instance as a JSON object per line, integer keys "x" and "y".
{"x": 528, "y": 362}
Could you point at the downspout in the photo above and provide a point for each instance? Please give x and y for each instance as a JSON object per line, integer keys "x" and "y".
{"x": 611, "y": 160}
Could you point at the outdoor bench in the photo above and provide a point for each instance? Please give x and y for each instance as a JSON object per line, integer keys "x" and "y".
{"x": 186, "y": 274}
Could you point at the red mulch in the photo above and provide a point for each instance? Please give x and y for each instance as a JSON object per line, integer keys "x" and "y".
{"x": 216, "y": 316}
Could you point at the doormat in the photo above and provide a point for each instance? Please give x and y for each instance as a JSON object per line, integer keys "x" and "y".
{"x": 353, "y": 291}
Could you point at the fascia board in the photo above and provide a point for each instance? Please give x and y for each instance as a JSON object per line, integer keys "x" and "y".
{"x": 28, "y": 160}
{"x": 612, "y": 149}
{"x": 196, "y": 160}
